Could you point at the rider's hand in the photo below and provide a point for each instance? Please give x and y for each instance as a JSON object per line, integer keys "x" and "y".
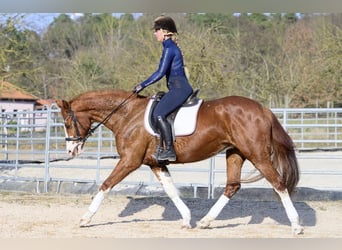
{"x": 137, "y": 88}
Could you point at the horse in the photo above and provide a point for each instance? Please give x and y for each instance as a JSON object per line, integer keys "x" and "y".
{"x": 236, "y": 125}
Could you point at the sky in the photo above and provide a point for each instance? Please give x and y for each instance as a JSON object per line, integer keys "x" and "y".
{"x": 40, "y": 21}
{"x": 34, "y": 21}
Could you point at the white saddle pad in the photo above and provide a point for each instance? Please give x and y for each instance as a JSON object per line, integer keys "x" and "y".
{"x": 185, "y": 121}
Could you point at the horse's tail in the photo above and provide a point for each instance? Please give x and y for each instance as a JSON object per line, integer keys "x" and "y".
{"x": 284, "y": 156}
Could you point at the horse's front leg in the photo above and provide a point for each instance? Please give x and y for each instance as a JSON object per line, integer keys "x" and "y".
{"x": 164, "y": 177}
{"x": 94, "y": 206}
{"x": 122, "y": 169}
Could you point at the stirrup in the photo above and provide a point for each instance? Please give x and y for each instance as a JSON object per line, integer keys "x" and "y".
{"x": 164, "y": 155}
{"x": 157, "y": 153}
{"x": 162, "y": 162}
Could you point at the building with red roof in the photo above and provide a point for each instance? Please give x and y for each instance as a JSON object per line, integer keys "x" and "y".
{"x": 17, "y": 104}
{"x": 13, "y": 98}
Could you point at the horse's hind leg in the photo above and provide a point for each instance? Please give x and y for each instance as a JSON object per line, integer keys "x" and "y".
{"x": 234, "y": 163}
{"x": 272, "y": 176}
{"x": 164, "y": 177}
{"x": 290, "y": 211}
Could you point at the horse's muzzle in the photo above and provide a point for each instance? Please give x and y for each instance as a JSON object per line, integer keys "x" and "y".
{"x": 74, "y": 146}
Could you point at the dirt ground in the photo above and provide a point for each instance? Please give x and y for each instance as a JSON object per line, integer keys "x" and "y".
{"x": 26, "y": 215}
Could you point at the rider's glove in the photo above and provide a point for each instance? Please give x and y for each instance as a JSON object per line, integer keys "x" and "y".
{"x": 137, "y": 88}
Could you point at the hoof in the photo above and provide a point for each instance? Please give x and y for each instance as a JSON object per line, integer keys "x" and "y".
{"x": 297, "y": 230}
{"x": 85, "y": 220}
{"x": 186, "y": 223}
{"x": 203, "y": 224}
{"x": 84, "y": 223}
{"x": 186, "y": 226}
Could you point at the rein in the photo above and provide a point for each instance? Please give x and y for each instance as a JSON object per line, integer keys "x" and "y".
{"x": 92, "y": 130}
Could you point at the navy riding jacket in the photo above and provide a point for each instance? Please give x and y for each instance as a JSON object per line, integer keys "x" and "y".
{"x": 170, "y": 65}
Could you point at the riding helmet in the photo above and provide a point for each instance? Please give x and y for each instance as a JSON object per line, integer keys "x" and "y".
{"x": 165, "y": 23}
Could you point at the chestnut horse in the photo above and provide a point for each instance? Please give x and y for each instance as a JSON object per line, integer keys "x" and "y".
{"x": 239, "y": 126}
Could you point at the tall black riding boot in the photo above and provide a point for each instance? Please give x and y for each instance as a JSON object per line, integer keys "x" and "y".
{"x": 169, "y": 152}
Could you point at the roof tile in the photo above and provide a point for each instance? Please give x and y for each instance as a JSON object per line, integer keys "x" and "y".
{"x": 9, "y": 91}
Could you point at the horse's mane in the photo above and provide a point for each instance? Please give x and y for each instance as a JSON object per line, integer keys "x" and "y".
{"x": 107, "y": 98}
{"x": 101, "y": 93}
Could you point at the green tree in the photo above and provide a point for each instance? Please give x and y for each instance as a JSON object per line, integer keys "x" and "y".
{"x": 18, "y": 54}
{"x": 281, "y": 60}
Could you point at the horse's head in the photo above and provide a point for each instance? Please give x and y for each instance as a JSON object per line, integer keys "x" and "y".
{"x": 76, "y": 128}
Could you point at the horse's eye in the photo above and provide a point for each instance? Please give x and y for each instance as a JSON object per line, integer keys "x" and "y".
{"x": 67, "y": 126}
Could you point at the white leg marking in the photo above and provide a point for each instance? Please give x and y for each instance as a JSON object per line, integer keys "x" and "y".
{"x": 168, "y": 185}
{"x": 184, "y": 211}
{"x": 214, "y": 211}
{"x": 172, "y": 192}
{"x": 94, "y": 206}
{"x": 291, "y": 212}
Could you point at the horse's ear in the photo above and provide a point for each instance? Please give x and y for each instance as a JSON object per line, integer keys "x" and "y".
{"x": 64, "y": 105}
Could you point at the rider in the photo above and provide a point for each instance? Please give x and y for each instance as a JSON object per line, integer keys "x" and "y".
{"x": 171, "y": 66}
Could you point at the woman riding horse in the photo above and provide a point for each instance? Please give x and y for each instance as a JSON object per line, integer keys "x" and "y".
{"x": 171, "y": 65}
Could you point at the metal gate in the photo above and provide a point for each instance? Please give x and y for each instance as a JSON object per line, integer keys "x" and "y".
{"x": 33, "y": 149}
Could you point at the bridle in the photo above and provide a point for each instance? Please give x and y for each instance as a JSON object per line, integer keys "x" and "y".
{"x": 78, "y": 134}
{"x": 78, "y": 137}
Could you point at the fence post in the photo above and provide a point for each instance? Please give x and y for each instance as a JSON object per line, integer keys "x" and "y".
{"x": 47, "y": 150}
{"x": 4, "y": 133}
{"x": 98, "y": 155}
{"x": 335, "y": 130}
{"x": 211, "y": 183}
{"x": 17, "y": 133}
{"x": 285, "y": 119}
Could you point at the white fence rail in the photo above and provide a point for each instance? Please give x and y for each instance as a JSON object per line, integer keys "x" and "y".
{"x": 32, "y": 148}
{"x": 313, "y": 128}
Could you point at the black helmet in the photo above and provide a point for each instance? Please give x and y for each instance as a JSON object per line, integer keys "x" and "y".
{"x": 165, "y": 23}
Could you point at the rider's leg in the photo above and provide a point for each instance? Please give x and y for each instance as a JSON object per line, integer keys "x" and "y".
{"x": 165, "y": 130}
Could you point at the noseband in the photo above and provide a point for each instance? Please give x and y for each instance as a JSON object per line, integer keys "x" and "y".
{"x": 75, "y": 122}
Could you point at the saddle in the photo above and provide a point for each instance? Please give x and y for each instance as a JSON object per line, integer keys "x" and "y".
{"x": 182, "y": 120}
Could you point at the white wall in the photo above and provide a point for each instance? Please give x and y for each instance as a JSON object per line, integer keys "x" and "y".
{"x": 10, "y": 106}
